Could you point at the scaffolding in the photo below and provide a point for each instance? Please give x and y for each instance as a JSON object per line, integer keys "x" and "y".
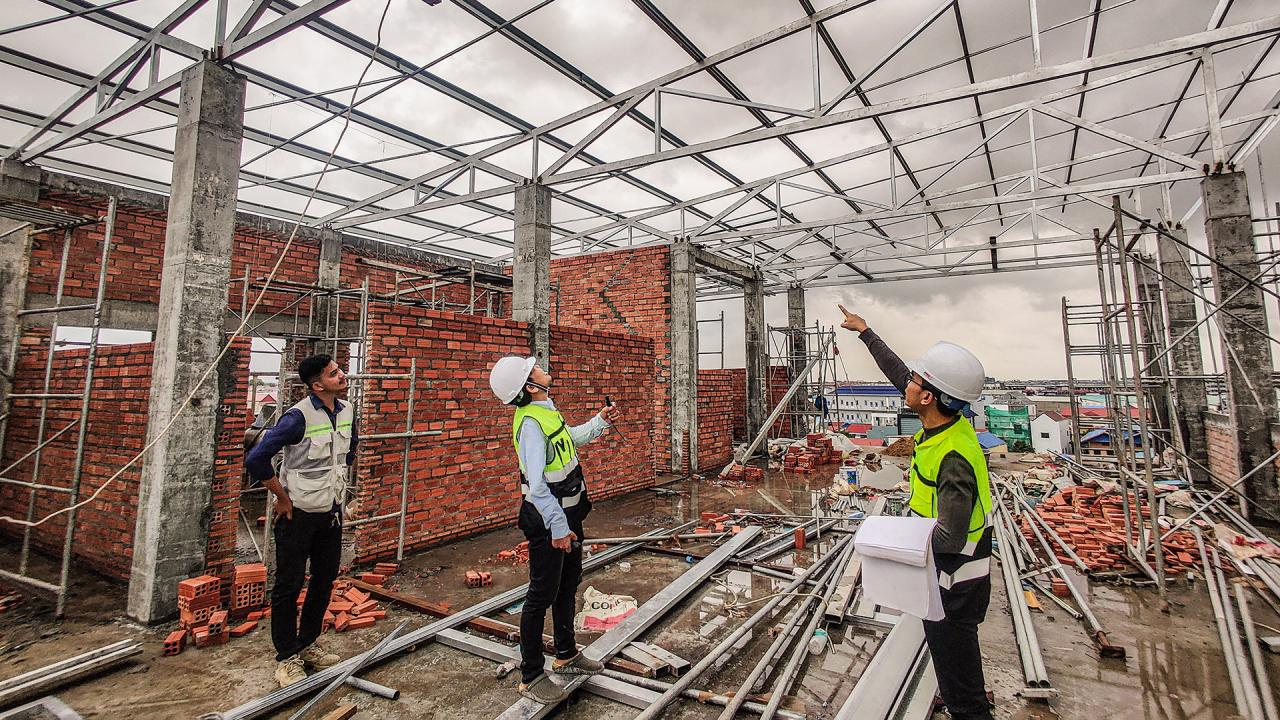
{"x": 798, "y": 348}
{"x": 719, "y": 351}
{"x": 42, "y": 221}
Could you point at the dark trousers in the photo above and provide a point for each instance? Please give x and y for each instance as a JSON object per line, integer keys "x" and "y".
{"x": 553, "y": 583}
{"x": 316, "y": 537}
{"x": 953, "y": 645}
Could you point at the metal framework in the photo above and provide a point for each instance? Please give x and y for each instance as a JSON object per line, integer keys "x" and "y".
{"x": 955, "y": 157}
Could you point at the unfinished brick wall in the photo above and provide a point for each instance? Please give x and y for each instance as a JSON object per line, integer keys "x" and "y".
{"x": 776, "y": 387}
{"x": 717, "y": 403}
{"x": 1222, "y": 445}
{"x": 624, "y": 291}
{"x": 117, "y": 430}
{"x": 137, "y": 257}
{"x": 466, "y": 480}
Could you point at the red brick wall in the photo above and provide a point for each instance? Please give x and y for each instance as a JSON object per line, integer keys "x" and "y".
{"x": 624, "y": 291}
{"x": 777, "y": 387}
{"x": 116, "y": 433}
{"x": 1222, "y": 446}
{"x": 717, "y": 411}
{"x": 466, "y": 480}
{"x": 137, "y": 257}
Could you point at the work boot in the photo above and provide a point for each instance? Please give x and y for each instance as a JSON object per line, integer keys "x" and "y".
{"x": 290, "y": 671}
{"x": 544, "y": 690}
{"x": 317, "y": 657}
{"x": 577, "y": 665}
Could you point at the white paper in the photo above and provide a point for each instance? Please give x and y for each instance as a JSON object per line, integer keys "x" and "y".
{"x": 897, "y": 565}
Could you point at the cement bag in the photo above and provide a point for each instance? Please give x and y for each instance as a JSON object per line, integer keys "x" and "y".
{"x": 601, "y": 611}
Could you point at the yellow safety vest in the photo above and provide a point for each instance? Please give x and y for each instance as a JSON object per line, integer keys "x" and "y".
{"x": 562, "y": 472}
{"x": 925, "y": 464}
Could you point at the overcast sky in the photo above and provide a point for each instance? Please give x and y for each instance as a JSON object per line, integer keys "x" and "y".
{"x": 1011, "y": 321}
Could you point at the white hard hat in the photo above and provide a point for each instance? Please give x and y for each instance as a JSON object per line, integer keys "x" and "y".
{"x": 508, "y": 376}
{"x": 952, "y": 369}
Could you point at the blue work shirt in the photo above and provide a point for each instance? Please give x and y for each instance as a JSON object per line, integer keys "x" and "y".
{"x": 290, "y": 430}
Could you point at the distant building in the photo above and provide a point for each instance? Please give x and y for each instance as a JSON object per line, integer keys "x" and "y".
{"x": 1051, "y": 433}
{"x": 1010, "y": 424}
{"x": 992, "y": 444}
{"x": 876, "y": 404}
{"x": 1096, "y": 448}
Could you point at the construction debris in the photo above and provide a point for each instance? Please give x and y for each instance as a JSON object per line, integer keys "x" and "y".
{"x": 902, "y": 447}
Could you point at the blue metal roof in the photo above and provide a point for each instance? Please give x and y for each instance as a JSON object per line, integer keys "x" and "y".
{"x": 888, "y": 390}
{"x": 988, "y": 440}
{"x": 1103, "y": 435}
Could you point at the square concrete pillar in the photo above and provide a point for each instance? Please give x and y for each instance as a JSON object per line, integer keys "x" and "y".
{"x": 329, "y": 275}
{"x": 1185, "y": 362}
{"x": 684, "y": 357}
{"x": 531, "y": 270}
{"x": 756, "y": 333}
{"x": 797, "y": 347}
{"x": 1246, "y": 354}
{"x": 15, "y": 262}
{"x": 176, "y": 488}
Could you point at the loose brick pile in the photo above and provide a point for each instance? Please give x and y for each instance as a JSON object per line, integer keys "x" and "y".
{"x": 817, "y": 450}
{"x": 1094, "y": 527}
{"x": 746, "y": 474}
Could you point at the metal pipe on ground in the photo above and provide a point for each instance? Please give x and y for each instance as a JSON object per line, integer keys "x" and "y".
{"x": 1096, "y": 631}
{"x": 1033, "y": 670}
{"x": 1219, "y": 615}
{"x": 361, "y": 660}
{"x": 1255, "y": 655}
{"x": 732, "y": 639}
{"x": 43, "y": 680}
{"x": 801, "y": 649}
{"x": 1253, "y": 702}
{"x": 1066, "y": 547}
{"x": 291, "y": 693}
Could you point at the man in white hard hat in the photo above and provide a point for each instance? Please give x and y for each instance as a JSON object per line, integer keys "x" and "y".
{"x": 551, "y": 514}
{"x": 949, "y": 482}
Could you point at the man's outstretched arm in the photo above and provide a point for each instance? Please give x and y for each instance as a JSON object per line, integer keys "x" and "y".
{"x": 886, "y": 359}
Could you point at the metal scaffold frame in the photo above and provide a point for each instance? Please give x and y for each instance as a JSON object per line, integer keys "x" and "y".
{"x": 68, "y": 225}
{"x": 809, "y": 354}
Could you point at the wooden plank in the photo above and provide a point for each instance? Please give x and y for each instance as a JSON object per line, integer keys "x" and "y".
{"x": 640, "y": 655}
{"x": 342, "y": 712}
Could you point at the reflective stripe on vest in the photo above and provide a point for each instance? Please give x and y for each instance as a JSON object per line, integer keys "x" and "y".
{"x": 925, "y": 464}
{"x": 314, "y": 470}
{"x": 971, "y": 570}
{"x": 562, "y": 454}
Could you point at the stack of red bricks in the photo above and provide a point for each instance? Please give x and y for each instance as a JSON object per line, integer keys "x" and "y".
{"x": 350, "y": 608}
{"x": 203, "y": 619}
{"x": 517, "y": 555}
{"x": 801, "y": 459}
{"x": 822, "y": 446}
{"x": 1094, "y": 527}
{"x": 381, "y": 572}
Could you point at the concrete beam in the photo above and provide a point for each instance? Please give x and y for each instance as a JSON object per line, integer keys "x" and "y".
{"x": 796, "y": 349}
{"x": 15, "y": 261}
{"x": 1246, "y": 355}
{"x": 684, "y": 356}
{"x": 18, "y": 182}
{"x": 756, "y": 334}
{"x": 531, "y": 268}
{"x": 742, "y": 273}
{"x": 175, "y": 492}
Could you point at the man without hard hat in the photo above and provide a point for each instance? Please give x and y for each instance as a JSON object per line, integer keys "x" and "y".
{"x": 555, "y": 504}
{"x": 949, "y": 482}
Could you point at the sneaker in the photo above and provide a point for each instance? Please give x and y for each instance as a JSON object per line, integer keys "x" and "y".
{"x": 316, "y": 656}
{"x": 544, "y": 690}
{"x": 577, "y": 665}
{"x": 290, "y": 671}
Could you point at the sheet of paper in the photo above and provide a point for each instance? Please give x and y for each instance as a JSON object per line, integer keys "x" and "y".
{"x": 897, "y": 566}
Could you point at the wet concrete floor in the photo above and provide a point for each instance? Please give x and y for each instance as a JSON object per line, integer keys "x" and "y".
{"x": 1174, "y": 667}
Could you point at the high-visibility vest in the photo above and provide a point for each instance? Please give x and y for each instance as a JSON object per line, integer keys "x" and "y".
{"x": 974, "y": 560}
{"x": 314, "y": 470}
{"x": 562, "y": 472}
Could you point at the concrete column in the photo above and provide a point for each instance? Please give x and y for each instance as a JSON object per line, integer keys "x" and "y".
{"x": 797, "y": 350}
{"x": 757, "y": 354}
{"x": 175, "y": 490}
{"x": 1246, "y": 355}
{"x": 1151, "y": 336}
{"x": 329, "y": 276}
{"x": 531, "y": 273}
{"x": 19, "y": 183}
{"x": 1184, "y": 361}
{"x": 684, "y": 356}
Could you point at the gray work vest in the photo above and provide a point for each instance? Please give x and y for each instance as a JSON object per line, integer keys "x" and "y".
{"x": 314, "y": 470}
